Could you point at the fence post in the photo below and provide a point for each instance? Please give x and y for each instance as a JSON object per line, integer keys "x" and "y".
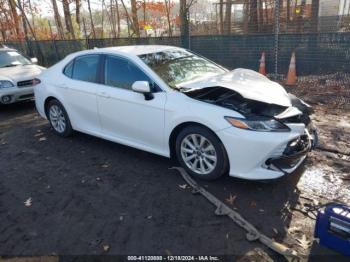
{"x": 277, "y": 31}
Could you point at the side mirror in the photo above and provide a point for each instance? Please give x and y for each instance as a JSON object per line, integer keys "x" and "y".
{"x": 144, "y": 88}
{"x": 34, "y": 60}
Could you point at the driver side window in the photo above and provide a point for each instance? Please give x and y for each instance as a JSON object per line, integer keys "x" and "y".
{"x": 121, "y": 73}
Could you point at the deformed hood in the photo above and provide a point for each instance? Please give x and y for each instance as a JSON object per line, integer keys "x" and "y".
{"x": 247, "y": 83}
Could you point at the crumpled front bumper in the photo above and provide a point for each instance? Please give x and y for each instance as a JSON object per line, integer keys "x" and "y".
{"x": 267, "y": 155}
{"x": 295, "y": 152}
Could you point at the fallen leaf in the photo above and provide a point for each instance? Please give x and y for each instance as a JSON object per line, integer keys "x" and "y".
{"x": 149, "y": 217}
{"x": 303, "y": 242}
{"x": 231, "y": 199}
{"x": 106, "y": 248}
{"x": 121, "y": 218}
{"x": 184, "y": 186}
{"x": 275, "y": 231}
{"x": 294, "y": 229}
{"x": 105, "y": 166}
{"x": 253, "y": 204}
{"x": 98, "y": 179}
{"x": 38, "y": 134}
{"x": 28, "y": 202}
{"x": 42, "y": 138}
{"x": 261, "y": 210}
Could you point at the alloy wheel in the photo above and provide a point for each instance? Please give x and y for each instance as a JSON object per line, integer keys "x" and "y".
{"x": 198, "y": 153}
{"x": 57, "y": 118}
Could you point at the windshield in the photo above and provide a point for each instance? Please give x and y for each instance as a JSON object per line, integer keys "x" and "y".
{"x": 12, "y": 58}
{"x": 179, "y": 66}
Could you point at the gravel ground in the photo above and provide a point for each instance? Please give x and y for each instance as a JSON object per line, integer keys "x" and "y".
{"x": 84, "y": 195}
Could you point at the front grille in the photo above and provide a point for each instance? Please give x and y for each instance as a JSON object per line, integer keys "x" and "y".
{"x": 25, "y": 83}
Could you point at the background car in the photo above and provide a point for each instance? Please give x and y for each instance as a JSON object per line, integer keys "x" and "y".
{"x": 17, "y": 76}
{"x": 172, "y": 102}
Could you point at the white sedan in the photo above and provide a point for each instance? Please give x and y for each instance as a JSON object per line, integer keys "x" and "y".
{"x": 172, "y": 102}
{"x": 17, "y": 76}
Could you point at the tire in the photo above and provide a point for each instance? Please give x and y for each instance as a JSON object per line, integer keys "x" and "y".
{"x": 59, "y": 119}
{"x": 201, "y": 153}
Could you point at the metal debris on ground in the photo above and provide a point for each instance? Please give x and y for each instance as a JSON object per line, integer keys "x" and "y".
{"x": 252, "y": 233}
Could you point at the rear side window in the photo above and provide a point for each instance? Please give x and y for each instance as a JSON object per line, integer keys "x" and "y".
{"x": 121, "y": 73}
{"x": 68, "y": 70}
{"x": 85, "y": 68}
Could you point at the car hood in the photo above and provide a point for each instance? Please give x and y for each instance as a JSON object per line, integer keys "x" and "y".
{"x": 247, "y": 83}
{"x": 20, "y": 73}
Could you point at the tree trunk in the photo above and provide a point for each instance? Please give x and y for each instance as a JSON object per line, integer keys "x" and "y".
{"x": 118, "y": 16}
{"x": 228, "y": 14}
{"x": 184, "y": 22}
{"x": 167, "y": 9}
{"x": 57, "y": 19}
{"x": 135, "y": 20}
{"x": 114, "y": 33}
{"x": 15, "y": 17}
{"x": 91, "y": 20}
{"x": 68, "y": 18}
{"x": 221, "y": 14}
{"x": 253, "y": 16}
{"x": 127, "y": 17}
{"x": 314, "y": 15}
{"x": 77, "y": 12}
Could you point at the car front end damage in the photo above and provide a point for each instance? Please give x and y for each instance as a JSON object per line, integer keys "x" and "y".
{"x": 270, "y": 139}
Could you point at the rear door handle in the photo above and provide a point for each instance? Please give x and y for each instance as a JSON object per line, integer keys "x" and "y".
{"x": 104, "y": 94}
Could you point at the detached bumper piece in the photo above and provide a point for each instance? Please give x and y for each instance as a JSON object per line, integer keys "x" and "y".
{"x": 294, "y": 153}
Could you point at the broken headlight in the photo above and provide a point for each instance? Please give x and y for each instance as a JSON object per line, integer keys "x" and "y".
{"x": 258, "y": 124}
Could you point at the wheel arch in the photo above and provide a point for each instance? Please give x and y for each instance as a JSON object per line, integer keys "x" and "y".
{"x": 177, "y": 129}
{"x": 46, "y": 103}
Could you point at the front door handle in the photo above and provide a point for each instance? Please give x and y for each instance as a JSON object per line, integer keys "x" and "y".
{"x": 104, "y": 94}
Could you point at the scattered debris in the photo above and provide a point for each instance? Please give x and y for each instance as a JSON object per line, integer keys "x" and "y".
{"x": 28, "y": 202}
{"x": 231, "y": 199}
{"x": 42, "y": 139}
{"x": 106, "y": 248}
{"x": 184, "y": 186}
{"x": 121, "y": 218}
{"x": 105, "y": 165}
{"x": 149, "y": 217}
{"x": 303, "y": 242}
{"x": 98, "y": 179}
{"x": 275, "y": 231}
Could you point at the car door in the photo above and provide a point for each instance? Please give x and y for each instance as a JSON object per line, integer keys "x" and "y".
{"x": 79, "y": 89}
{"x": 126, "y": 115}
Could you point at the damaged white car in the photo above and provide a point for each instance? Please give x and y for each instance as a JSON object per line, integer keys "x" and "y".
{"x": 172, "y": 102}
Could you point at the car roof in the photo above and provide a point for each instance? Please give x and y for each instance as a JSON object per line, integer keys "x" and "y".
{"x": 139, "y": 49}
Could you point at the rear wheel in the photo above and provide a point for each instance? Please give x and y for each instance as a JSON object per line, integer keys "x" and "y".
{"x": 201, "y": 153}
{"x": 59, "y": 119}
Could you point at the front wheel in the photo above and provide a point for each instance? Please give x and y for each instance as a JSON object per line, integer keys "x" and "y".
{"x": 59, "y": 119}
{"x": 201, "y": 153}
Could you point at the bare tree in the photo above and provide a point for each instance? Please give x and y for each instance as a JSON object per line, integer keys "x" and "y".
{"x": 91, "y": 20}
{"x": 185, "y": 17}
{"x": 167, "y": 10}
{"x": 113, "y": 23}
{"x": 228, "y": 13}
{"x": 135, "y": 19}
{"x": 253, "y": 16}
{"x": 77, "y": 11}
{"x": 221, "y": 14}
{"x": 15, "y": 16}
{"x": 68, "y": 18}
{"x": 57, "y": 19}
{"x": 314, "y": 15}
{"x": 128, "y": 20}
{"x": 118, "y": 16}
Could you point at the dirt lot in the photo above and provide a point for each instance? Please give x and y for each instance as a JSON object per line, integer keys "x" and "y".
{"x": 84, "y": 195}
